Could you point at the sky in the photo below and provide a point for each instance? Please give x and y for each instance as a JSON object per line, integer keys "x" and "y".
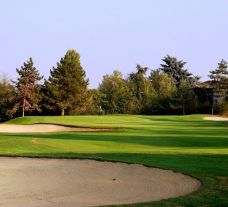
{"x": 113, "y": 34}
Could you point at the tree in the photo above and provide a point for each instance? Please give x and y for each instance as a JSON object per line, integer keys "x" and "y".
{"x": 219, "y": 82}
{"x": 116, "y": 92}
{"x": 67, "y": 84}
{"x": 164, "y": 88}
{"x": 140, "y": 87}
{"x": 176, "y": 70}
{"x": 27, "y": 95}
{"x": 46, "y": 102}
{"x": 98, "y": 101}
{"x": 184, "y": 95}
{"x": 220, "y": 74}
{"x": 162, "y": 84}
{"x": 6, "y": 94}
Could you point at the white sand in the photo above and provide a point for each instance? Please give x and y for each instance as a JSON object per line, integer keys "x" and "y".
{"x": 215, "y": 118}
{"x": 28, "y": 182}
{"x": 10, "y": 128}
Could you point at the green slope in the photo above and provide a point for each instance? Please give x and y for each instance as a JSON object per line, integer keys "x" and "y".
{"x": 187, "y": 144}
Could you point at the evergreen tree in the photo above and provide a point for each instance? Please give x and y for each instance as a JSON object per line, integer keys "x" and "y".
{"x": 219, "y": 83}
{"x": 27, "y": 89}
{"x": 219, "y": 76}
{"x": 176, "y": 70}
{"x": 67, "y": 84}
{"x": 46, "y": 102}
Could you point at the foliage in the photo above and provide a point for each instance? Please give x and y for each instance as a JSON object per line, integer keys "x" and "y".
{"x": 176, "y": 69}
{"x": 98, "y": 100}
{"x": 219, "y": 76}
{"x": 46, "y": 102}
{"x": 141, "y": 90}
{"x": 184, "y": 95}
{"x": 116, "y": 93}
{"x": 6, "y": 94}
{"x": 170, "y": 89}
{"x": 219, "y": 82}
{"x": 162, "y": 84}
{"x": 67, "y": 84}
{"x": 27, "y": 95}
{"x": 165, "y": 89}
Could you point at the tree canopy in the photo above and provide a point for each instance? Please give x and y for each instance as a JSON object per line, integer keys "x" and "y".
{"x": 170, "y": 89}
{"x": 116, "y": 93}
{"x": 27, "y": 95}
{"x": 67, "y": 83}
{"x": 176, "y": 69}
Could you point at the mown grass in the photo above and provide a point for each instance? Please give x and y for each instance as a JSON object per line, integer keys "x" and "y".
{"x": 187, "y": 144}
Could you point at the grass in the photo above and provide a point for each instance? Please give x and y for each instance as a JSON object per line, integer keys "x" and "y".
{"x": 186, "y": 144}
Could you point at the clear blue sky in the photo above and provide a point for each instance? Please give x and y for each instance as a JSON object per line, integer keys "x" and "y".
{"x": 113, "y": 34}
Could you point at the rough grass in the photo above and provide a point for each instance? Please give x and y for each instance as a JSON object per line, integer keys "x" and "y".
{"x": 187, "y": 144}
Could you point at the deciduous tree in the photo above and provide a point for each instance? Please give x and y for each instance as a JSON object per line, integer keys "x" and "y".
{"x": 6, "y": 94}
{"x": 141, "y": 90}
{"x": 165, "y": 89}
{"x": 184, "y": 96}
{"x": 117, "y": 93}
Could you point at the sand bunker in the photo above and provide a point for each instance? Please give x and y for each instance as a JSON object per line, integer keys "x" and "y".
{"x": 31, "y": 182}
{"x": 215, "y": 118}
{"x": 10, "y": 128}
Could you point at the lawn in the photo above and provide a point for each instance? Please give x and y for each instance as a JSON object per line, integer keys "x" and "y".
{"x": 187, "y": 144}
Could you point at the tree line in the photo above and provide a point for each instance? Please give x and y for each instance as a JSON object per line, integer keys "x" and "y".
{"x": 169, "y": 89}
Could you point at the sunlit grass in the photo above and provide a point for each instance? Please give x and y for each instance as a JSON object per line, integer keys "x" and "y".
{"x": 187, "y": 144}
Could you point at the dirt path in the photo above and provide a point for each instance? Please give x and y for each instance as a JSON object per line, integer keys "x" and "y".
{"x": 10, "y": 128}
{"x": 215, "y": 118}
{"x": 31, "y": 182}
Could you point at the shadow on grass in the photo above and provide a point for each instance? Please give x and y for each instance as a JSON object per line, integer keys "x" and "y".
{"x": 195, "y": 140}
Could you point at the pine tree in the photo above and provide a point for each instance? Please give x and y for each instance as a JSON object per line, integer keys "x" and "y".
{"x": 27, "y": 89}
{"x": 67, "y": 84}
{"x": 177, "y": 71}
{"x": 219, "y": 83}
{"x": 219, "y": 76}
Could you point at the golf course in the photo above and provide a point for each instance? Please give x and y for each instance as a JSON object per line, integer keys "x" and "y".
{"x": 188, "y": 145}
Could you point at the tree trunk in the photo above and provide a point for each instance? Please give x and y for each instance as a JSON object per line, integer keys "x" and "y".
{"x": 62, "y": 112}
{"x": 23, "y": 112}
{"x": 183, "y": 110}
{"x": 23, "y": 108}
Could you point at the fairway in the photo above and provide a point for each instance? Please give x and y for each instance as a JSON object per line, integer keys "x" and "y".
{"x": 186, "y": 144}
